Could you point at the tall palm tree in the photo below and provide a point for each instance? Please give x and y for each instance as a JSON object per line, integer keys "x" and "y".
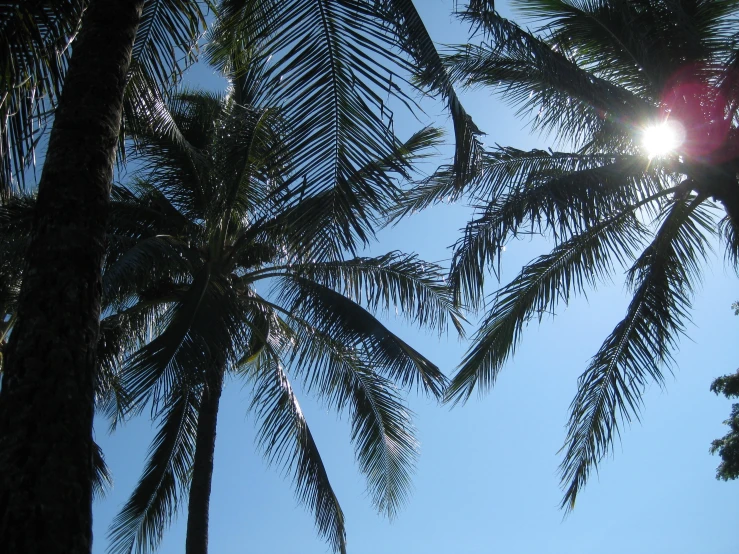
{"x": 193, "y": 241}
{"x": 602, "y": 76}
{"x": 46, "y": 400}
{"x": 79, "y": 57}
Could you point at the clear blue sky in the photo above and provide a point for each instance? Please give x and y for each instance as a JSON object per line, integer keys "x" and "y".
{"x": 487, "y": 477}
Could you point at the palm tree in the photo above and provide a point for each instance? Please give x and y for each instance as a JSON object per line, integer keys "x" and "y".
{"x": 192, "y": 238}
{"x": 74, "y": 60}
{"x": 602, "y": 76}
{"x": 46, "y": 401}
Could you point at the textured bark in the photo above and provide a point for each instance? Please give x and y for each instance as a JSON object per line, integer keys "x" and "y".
{"x": 202, "y": 470}
{"x": 46, "y": 401}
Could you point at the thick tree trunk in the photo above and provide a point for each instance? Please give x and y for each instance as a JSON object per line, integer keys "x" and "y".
{"x": 46, "y": 400}
{"x": 202, "y": 471}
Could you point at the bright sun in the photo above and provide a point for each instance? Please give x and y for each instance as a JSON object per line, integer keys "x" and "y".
{"x": 664, "y": 138}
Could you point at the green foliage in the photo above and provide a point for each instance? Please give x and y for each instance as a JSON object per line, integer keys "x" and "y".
{"x": 295, "y": 167}
{"x": 728, "y": 446}
{"x": 595, "y": 75}
{"x": 213, "y": 264}
{"x": 332, "y": 67}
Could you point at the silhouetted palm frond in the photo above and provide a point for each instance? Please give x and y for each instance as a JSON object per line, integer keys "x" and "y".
{"x": 634, "y": 353}
{"x": 141, "y": 523}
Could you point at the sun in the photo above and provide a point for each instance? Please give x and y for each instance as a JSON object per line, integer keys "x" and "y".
{"x": 663, "y": 138}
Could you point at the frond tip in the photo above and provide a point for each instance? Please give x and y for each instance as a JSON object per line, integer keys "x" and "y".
{"x": 286, "y": 439}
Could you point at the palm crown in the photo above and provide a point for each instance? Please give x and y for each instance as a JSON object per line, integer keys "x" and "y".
{"x": 192, "y": 240}
{"x": 598, "y": 75}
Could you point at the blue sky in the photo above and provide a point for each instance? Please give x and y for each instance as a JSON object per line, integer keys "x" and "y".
{"x": 487, "y": 478}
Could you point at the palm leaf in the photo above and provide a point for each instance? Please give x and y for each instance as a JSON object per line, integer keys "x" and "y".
{"x": 382, "y": 430}
{"x": 395, "y": 281}
{"x": 145, "y": 264}
{"x": 567, "y": 99}
{"x": 333, "y": 63}
{"x": 731, "y": 237}
{"x": 415, "y": 40}
{"x": 34, "y": 52}
{"x": 102, "y": 479}
{"x": 121, "y": 335}
{"x": 556, "y": 193}
{"x": 152, "y": 506}
{"x": 16, "y": 217}
{"x": 286, "y": 439}
{"x": 610, "y": 389}
{"x": 327, "y": 224}
{"x": 579, "y": 262}
{"x": 166, "y": 45}
{"x": 348, "y": 322}
{"x": 173, "y": 354}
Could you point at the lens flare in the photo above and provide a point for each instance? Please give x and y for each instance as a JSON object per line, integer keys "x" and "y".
{"x": 664, "y": 138}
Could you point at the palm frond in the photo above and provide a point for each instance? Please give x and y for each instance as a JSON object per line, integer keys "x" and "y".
{"x": 505, "y": 168}
{"x": 348, "y": 322}
{"x": 332, "y": 222}
{"x": 141, "y": 214}
{"x": 395, "y": 281}
{"x": 436, "y": 188}
{"x": 382, "y": 429}
{"x": 152, "y": 506}
{"x": 539, "y": 192}
{"x": 16, "y": 218}
{"x": 618, "y": 41}
{"x": 175, "y": 353}
{"x": 565, "y": 98}
{"x": 732, "y": 242}
{"x": 250, "y": 157}
{"x": 415, "y": 39}
{"x": 286, "y": 439}
{"x": 166, "y": 40}
{"x": 166, "y": 45}
{"x": 610, "y": 390}
{"x": 206, "y": 327}
{"x": 333, "y": 65}
{"x": 103, "y": 478}
{"x": 145, "y": 265}
{"x": 121, "y": 335}
{"x": 572, "y": 266}
{"x": 170, "y": 146}
{"x": 34, "y": 51}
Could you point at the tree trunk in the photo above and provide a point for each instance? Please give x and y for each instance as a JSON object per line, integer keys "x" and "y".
{"x": 46, "y": 400}
{"x": 202, "y": 470}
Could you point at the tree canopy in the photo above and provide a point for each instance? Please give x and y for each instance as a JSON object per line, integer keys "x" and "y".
{"x": 599, "y": 77}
